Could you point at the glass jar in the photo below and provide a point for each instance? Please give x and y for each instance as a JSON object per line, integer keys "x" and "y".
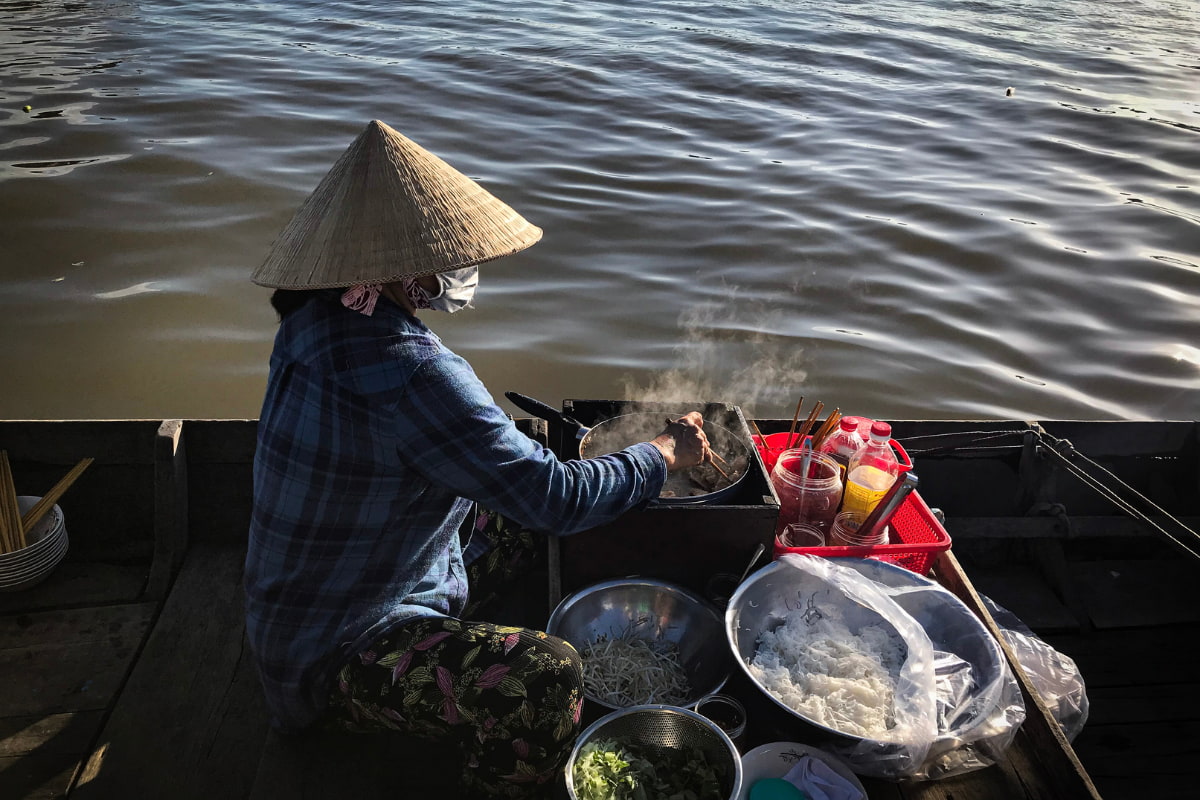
{"x": 809, "y": 486}
{"x": 727, "y": 713}
{"x": 845, "y": 532}
{"x": 798, "y": 536}
{"x": 801, "y": 534}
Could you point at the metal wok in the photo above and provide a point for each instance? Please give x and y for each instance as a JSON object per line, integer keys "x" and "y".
{"x": 701, "y": 484}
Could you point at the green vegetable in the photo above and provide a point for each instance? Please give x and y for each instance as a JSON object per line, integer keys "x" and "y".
{"x": 608, "y": 770}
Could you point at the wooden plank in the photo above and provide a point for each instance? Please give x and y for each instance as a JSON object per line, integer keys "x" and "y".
{"x": 44, "y": 669}
{"x": 1156, "y": 785}
{"x": 59, "y": 671}
{"x": 331, "y": 766}
{"x": 1126, "y": 705}
{"x": 37, "y": 776}
{"x": 1119, "y": 657}
{"x": 222, "y": 441}
{"x": 170, "y": 508}
{"x": 1129, "y": 594}
{"x": 79, "y": 583}
{"x": 61, "y": 443}
{"x": 1153, "y": 760}
{"x": 227, "y": 520}
{"x": 1106, "y": 438}
{"x": 39, "y": 754}
{"x": 1081, "y": 527}
{"x": 190, "y": 723}
{"x": 686, "y": 545}
{"x": 1049, "y": 748}
{"x": 1051, "y": 560}
{"x": 879, "y": 789}
{"x": 1012, "y": 779}
{"x": 60, "y": 734}
{"x": 61, "y": 677}
{"x": 1021, "y": 590}
{"x": 76, "y": 626}
{"x": 220, "y": 465}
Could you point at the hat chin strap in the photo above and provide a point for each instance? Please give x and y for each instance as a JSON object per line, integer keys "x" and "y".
{"x": 362, "y": 297}
{"x": 406, "y": 293}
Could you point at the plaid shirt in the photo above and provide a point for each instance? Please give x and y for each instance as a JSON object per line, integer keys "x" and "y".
{"x": 373, "y": 441}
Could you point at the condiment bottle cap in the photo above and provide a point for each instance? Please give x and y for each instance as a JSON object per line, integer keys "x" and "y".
{"x": 881, "y": 429}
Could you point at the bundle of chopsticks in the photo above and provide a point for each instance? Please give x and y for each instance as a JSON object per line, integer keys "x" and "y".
{"x": 15, "y": 526}
{"x": 796, "y": 438}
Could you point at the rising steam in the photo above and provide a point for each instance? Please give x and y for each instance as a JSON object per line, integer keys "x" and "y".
{"x": 726, "y": 356}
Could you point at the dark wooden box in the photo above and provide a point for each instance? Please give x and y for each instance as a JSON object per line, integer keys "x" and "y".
{"x": 686, "y": 544}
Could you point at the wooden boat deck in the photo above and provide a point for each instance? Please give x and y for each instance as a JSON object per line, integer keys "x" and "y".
{"x": 126, "y": 673}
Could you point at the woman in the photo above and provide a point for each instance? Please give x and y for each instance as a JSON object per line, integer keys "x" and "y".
{"x": 374, "y": 443}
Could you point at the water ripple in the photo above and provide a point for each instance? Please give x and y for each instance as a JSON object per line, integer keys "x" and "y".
{"x": 748, "y": 200}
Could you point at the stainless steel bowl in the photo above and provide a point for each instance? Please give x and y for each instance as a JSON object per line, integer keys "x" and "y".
{"x": 654, "y": 728}
{"x": 651, "y": 610}
{"x": 769, "y": 595}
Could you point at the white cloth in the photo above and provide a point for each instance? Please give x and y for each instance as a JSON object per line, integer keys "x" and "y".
{"x": 819, "y": 781}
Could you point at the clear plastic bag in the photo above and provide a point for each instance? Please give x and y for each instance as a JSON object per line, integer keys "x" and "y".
{"x": 858, "y": 602}
{"x": 1055, "y": 675}
{"x": 961, "y": 704}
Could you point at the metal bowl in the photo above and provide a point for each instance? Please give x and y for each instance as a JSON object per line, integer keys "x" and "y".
{"x": 655, "y": 728}
{"x": 769, "y": 595}
{"x": 685, "y": 487}
{"x": 651, "y": 610}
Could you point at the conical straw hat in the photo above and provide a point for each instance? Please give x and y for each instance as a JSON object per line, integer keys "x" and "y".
{"x": 389, "y": 209}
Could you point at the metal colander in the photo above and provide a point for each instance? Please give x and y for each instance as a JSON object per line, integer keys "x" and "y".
{"x": 652, "y": 728}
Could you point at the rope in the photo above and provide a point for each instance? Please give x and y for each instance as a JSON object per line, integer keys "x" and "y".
{"x": 1187, "y": 539}
{"x": 1192, "y": 548}
{"x": 981, "y": 436}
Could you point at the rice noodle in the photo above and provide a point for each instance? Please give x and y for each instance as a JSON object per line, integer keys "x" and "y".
{"x": 836, "y": 678}
{"x": 626, "y": 671}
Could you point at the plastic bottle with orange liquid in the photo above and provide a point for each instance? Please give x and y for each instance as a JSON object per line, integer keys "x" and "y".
{"x": 871, "y": 472}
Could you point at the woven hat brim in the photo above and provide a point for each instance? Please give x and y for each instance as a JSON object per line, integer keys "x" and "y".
{"x": 386, "y": 210}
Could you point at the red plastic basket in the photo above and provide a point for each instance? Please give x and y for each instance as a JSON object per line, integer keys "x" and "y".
{"x": 915, "y": 539}
{"x": 771, "y": 454}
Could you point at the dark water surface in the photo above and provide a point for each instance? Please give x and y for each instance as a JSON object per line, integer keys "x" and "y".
{"x": 744, "y": 201}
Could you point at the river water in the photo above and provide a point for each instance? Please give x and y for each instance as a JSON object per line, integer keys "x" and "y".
{"x": 742, "y": 201}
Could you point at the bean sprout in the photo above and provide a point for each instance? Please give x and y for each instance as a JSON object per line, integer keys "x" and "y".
{"x": 625, "y": 671}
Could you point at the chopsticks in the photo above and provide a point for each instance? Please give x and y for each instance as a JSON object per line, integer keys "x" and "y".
{"x": 33, "y": 515}
{"x": 713, "y": 464}
{"x": 13, "y": 525}
{"x": 12, "y": 533}
{"x": 712, "y": 461}
{"x": 796, "y": 416}
{"x": 808, "y": 423}
{"x": 827, "y": 427}
{"x": 795, "y": 439}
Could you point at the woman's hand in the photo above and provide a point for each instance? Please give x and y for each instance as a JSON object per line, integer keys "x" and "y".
{"x": 683, "y": 442}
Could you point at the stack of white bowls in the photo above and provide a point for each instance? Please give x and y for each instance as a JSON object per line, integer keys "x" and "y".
{"x": 45, "y": 546}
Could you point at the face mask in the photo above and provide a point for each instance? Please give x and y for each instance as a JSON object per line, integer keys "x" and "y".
{"x": 457, "y": 289}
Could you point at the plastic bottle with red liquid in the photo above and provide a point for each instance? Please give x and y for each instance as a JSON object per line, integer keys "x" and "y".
{"x": 843, "y": 443}
{"x": 871, "y": 471}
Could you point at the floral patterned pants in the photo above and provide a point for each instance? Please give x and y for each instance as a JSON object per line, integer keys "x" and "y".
{"x": 509, "y": 698}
